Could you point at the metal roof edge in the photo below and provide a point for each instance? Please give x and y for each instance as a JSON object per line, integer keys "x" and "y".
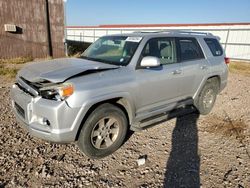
{"x": 159, "y": 25}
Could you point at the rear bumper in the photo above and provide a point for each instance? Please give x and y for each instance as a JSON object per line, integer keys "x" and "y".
{"x": 53, "y": 121}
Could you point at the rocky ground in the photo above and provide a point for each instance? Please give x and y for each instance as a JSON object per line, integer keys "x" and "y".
{"x": 188, "y": 151}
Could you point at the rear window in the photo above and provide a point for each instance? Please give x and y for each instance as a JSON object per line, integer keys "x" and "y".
{"x": 214, "y": 46}
{"x": 189, "y": 49}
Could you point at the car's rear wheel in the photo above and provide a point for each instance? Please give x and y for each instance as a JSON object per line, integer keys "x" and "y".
{"x": 103, "y": 132}
{"x": 207, "y": 96}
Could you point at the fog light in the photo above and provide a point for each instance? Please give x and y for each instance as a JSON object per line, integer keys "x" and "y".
{"x": 44, "y": 121}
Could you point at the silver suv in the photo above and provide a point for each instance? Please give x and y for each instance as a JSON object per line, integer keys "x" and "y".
{"x": 121, "y": 82}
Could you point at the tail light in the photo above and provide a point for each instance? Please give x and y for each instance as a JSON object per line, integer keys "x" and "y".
{"x": 227, "y": 60}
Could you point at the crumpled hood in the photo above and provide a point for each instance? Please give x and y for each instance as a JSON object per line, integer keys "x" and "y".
{"x": 59, "y": 70}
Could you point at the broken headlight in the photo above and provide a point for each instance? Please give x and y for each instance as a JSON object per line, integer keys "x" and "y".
{"x": 57, "y": 92}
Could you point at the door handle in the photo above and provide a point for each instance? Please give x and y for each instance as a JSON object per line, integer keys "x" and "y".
{"x": 204, "y": 67}
{"x": 176, "y": 72}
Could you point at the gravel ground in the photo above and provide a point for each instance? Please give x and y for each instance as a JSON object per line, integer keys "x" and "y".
{"x": 189, "y": 151}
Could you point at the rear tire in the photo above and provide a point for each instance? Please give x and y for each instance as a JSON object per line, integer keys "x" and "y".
{"x": 207, "y": 96}
{"x": 103, "y": 132}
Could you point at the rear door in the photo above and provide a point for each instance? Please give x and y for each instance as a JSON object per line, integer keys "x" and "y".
{"x": 193, "y": 65}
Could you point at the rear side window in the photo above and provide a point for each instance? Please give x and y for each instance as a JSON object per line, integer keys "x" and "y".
{"x": 189, "y": 49}
{"x": 214, "y": 46}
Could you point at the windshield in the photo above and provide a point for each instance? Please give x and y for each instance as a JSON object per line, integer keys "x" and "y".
{"x": 115, "y": 50}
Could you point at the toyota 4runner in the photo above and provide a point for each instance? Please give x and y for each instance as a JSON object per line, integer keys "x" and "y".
{"x": 121, "y": 82}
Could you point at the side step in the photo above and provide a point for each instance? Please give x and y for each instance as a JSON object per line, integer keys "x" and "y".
{"x": 152, "y": 121}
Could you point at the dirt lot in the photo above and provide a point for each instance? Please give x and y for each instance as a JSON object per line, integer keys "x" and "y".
{"x": 188, "y": 151}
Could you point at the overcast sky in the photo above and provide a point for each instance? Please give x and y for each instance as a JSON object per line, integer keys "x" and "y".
{"x": 96, "y": 12}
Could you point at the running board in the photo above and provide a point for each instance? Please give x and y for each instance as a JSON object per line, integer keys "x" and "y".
{"x": 152, "y": 121}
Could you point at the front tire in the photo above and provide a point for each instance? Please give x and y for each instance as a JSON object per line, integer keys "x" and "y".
{"x": 207, "y": 96}
{"x": 103, "y": 132}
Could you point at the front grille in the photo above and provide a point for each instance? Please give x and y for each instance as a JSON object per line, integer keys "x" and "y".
{"x": 26, "y": 87}
{"x": 20, "y": 110}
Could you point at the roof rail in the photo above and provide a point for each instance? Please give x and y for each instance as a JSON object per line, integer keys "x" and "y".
{"x": 177, "y": 31}
{"x": 193, "y": 32}
{"x": 155, "y": 31}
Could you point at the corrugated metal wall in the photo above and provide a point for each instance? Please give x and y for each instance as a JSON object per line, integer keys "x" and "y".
{"x": 234, "y": 38}
{"x": 30, "y": 17}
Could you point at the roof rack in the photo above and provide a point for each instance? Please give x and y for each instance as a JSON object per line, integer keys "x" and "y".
{"x": 193, "y": 32}
{"x": 177, "y": 31}
{"x": 155, "y": 31}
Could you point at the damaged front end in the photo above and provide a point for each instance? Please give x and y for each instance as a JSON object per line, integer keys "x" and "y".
{"x": 40, "y": 107}
{"x": 52, "y": 90}
{"x": 39, "y": 98}
{"x": 46, "y": 89}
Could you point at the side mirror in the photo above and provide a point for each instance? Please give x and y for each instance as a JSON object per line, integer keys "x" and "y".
{"x": 150, "y": 61}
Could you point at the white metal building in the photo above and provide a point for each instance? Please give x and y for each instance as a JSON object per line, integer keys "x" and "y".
{"x": 235, "y": 37}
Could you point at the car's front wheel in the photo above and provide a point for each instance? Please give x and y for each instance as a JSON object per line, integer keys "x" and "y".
{"x": 103, "y": 132}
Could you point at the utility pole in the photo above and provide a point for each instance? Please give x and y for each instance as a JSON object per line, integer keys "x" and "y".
{"x": 65, "y": 29}
{"x": 50, "y": 49}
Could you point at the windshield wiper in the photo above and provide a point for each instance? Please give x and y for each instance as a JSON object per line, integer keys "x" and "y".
{"x": 88, "y": 58}
{"x": 100, "y": 60}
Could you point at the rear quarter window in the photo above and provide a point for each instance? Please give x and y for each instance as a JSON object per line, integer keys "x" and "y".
{"x": 214, "y": 46}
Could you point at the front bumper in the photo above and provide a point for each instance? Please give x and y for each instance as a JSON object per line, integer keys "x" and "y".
{"x": 50, "y": 120}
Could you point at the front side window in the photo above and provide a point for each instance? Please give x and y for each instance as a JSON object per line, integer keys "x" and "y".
{"x": 162, "y": 48}
{"x": 116, "y": 50}
{"x": 189, "y": 49}
{"x": 214, "y": 46}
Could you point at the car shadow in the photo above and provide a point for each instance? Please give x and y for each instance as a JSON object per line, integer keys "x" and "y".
{"x": 183, "y": 165}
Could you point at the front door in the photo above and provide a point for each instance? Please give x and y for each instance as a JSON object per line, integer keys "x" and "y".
{"x": 158, "y": 87}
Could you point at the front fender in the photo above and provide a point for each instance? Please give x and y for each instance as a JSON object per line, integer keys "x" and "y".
{"x": 123, "y": 98}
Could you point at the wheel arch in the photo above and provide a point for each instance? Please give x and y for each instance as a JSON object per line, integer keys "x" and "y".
{"x": 203, "y": 83}
{"x": 215, "y": 78}
{"x": 211, "y": 82}
{"x": 120, "y": 102}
